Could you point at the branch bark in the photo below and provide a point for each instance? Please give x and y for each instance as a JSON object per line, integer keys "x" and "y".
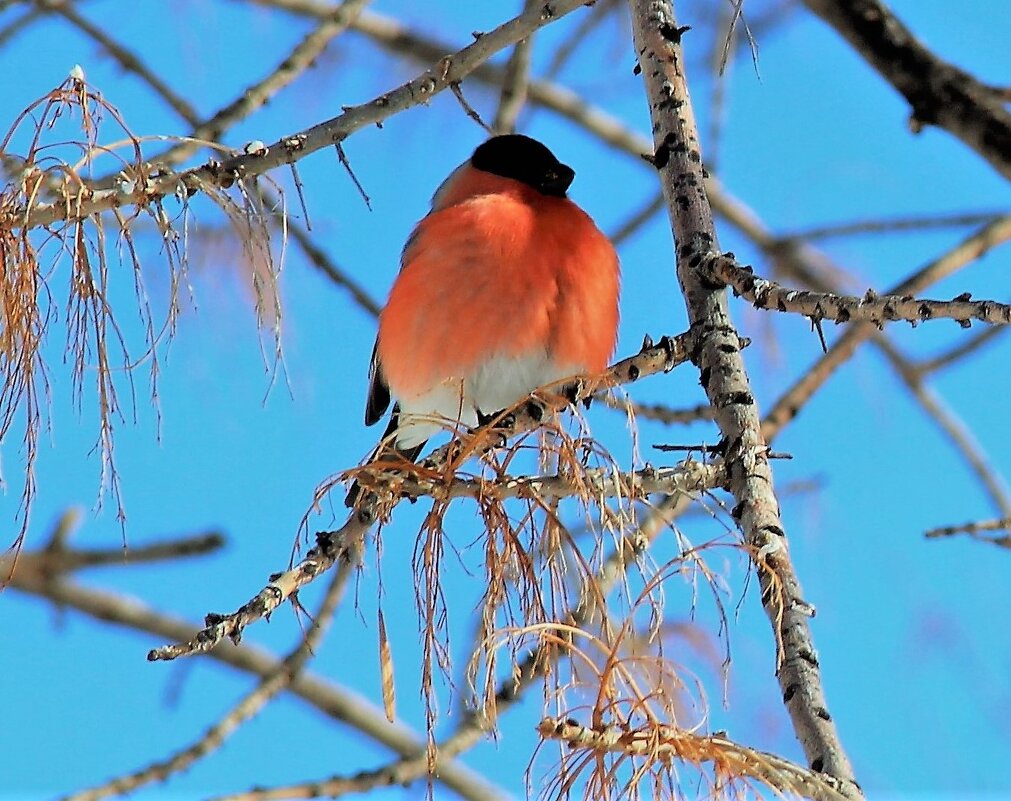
{"x": 871, "y": 308}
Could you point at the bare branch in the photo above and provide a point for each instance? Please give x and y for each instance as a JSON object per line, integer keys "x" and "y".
{"x": 939, "y": 93}
{"x": 957, "y": 432}
{"x": 513, "y": 96}
{"x": 659, "y": 412}
{"x": 688, "y": 477}
{"x": 960, "y": 351}
{"x": 976, "y": 528}
{"x": 871, "y": 308}
{"x": 965, "y": 252}
{"x": 336, "y": 702}
{"x": 894, "y": 225}
{"x": 58, "y": 560}
{"x": 276, "y": 682}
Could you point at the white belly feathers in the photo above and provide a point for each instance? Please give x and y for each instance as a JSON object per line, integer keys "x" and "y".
{"x": 496, "y": 384}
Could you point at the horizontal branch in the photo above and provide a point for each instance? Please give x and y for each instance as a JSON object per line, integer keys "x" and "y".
{"x": 871, "y": 308}
{"x": 688, "y": 477}
{"x": 81, "y": 202}
{"x": 58, "y": 560}
{"x": 976, "y": 528}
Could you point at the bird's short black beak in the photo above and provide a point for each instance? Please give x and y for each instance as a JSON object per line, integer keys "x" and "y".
{"x": 557, "y": 180}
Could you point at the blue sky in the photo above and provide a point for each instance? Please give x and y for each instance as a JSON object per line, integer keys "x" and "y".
{"x": 909, "y": 631}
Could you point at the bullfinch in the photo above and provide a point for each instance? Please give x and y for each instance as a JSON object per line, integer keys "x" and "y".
{"x": 505, "y": 286}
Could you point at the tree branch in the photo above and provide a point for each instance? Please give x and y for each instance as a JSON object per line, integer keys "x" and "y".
{"x": 871, "y": 308}
{"x": 939, "y": 93}
{"x": 679, "y": 160}
{"x": 268, "y": 687}
{"x": 731, "y": 760}
{"x": 965, "y": 252}
{"x": 976, "y": 528}
{"x": 336, "y": 702}
{"x": 82, "y": 202}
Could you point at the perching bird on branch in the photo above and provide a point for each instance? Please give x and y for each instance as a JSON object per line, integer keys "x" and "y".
{"x": 505, "y": 286}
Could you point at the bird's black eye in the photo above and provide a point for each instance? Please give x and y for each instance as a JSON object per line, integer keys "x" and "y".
{"x": 524, "y": 159}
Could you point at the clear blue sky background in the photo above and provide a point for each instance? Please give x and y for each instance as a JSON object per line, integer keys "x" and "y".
{"x": 911, "y": 633}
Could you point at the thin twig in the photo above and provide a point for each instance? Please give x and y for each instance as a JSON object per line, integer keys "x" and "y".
{"x": 657, "y": 411}
{"x": 976, "y": 528}
{"x": 958, "y": 434}
{"x": 960, "y": 351}
{"x": 268, "y": 687}
{"x": 893, "y": 225}
{"x": 513, "y": 95}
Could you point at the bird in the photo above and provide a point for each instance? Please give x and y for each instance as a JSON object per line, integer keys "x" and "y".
{"x": 505, "y": 286}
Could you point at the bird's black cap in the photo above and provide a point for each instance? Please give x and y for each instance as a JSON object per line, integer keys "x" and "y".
{"x": 524, "y": 159}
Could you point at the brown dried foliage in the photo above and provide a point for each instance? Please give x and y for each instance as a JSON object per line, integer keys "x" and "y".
{"x": 70, "y": 274}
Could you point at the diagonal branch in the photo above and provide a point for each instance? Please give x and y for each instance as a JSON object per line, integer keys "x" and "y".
{"x": 939, "y": 93}
{"x": 345, "y": 542}
{"x": 724, "y": 377}
{"x": 267, "y": 688}
{"x": 300, "y": 57}
{"x": 334, "y": 701}
{"x": 451, "y": 69}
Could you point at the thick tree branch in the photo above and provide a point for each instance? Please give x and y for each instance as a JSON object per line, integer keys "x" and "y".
{"x": 678, "y": 158}
{"x": 939, "y": 93}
